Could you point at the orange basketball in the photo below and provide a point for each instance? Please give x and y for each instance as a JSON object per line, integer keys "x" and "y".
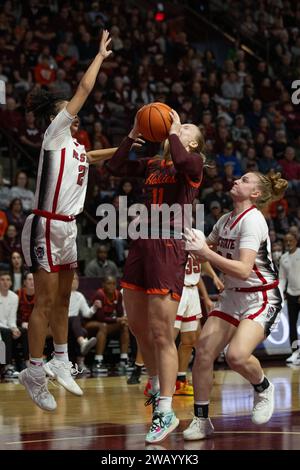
{"x": 154, "y": 121}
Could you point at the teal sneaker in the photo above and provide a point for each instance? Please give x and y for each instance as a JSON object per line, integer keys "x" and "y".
{"x": 153, "y": 400}
{"x": 162, "y": 425}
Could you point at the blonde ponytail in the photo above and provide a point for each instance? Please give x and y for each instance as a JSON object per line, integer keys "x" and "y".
{"x": 272, "y": 188}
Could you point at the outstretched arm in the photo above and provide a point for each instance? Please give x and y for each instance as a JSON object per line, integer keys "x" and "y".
{"x": 88, "y": 80}
{"x": 100, "y": 155}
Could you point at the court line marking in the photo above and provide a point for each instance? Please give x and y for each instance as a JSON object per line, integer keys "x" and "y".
{"x": 143, "y": 434}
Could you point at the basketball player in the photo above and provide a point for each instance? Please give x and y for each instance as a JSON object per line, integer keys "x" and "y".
{"x": 250, "y": 304}
{"x": 187, "y": 322}
{"x": 154, "y": 271}
{"x": 49, "y": 234}
{"x": 188, "y": 317}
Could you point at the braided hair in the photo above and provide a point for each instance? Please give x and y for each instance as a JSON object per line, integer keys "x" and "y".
{"x": 43, "y": 104}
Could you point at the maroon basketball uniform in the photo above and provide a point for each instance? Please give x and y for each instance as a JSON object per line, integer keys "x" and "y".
{"x": 157, "y": 266}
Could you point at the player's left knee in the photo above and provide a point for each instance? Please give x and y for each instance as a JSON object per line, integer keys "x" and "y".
{"x": 235, "y": 358}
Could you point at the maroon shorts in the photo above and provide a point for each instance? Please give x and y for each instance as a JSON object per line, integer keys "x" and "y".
{"x": 156, "y": 267}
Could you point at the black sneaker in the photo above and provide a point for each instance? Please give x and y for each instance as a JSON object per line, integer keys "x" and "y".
{"x": 135, "y": 376}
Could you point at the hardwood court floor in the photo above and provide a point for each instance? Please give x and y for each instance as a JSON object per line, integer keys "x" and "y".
{"x": 111, "y": 415}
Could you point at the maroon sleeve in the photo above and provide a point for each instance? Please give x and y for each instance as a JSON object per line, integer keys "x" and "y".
{"x": 189, "y": 163}
{"x": 119, "y": 165}
{"x": 120, "y": 310}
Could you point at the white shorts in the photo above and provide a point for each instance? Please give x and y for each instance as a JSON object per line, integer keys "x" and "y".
{"x": 189, "y": 310}
{"x": 49, "y": 244}
{"x": 262, "y": 307}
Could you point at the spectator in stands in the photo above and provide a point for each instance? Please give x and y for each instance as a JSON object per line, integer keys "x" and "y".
{"x": 109, "y": 319}
{"x": 210, "y": 174}
{"x": 268, "y": 162}
{"x": 240, "y": 130}
{"x": 100, "y": 139}
{"x": 9, "y": 244}
{"x": 26, "y": 300}
{"x": 21, "y": 191}
{"x": 3, "y": 224}
{"x": 30, "y": 136}
{"x": 16, "y": 270}
{"x": 217, "y": 195}
{"x": 229, "y": 156}
{"x": 277, "y": 251}
{"x": 291, "y": 168}
{"x": 44, "y": 72}
{"x": 228, "y": 178}
{"x": 83, "y": 138}
{"x": 8, "y": 322}
{"x": 78, "y": 309}
{"x": 289, "y": 278}
{"x": 15, "y": 215}
{"x": 22, "y": 73}
{"x": 101, "y": 266}
{"x": 213, "y": 216}
{"x": 10, "y": 117}
{"x": 5, "y": 192}
{"x": 281, "y": 223}
{"x": 232, "y": 87}
{"x": 60, "y": 85}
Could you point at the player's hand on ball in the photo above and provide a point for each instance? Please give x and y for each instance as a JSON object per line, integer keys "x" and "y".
{"x": 104, "y": 43}
{"x": 176, "y": 124}
{"x": 137, "y": 143}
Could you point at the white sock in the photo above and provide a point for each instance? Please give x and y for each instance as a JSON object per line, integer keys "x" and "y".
{"x": 61, "y": 352}
{"x": 154, "y": 381}
{"x": 165, "y": 404}
{"x": 98, "y": 357}
{"x": 36, "y": 365}
{"x": 124, "y": 357}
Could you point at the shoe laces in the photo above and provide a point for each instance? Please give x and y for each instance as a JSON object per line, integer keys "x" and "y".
{"x": 152, "y": 400}
{"x": 73, "y": 369}
{"x": 261, "y": 399}
{"x": 195, "y": 423}
{"x": 42, "y": 391}
{"x": 157, "y": 421}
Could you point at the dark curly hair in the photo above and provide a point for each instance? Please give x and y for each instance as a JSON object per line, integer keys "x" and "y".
{"x": 43, "y": 104}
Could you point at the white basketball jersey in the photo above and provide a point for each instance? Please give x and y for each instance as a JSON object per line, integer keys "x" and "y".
{"x": 246, "y": 230}
{"x": 63, "y": 170}
{"x": 192, "y": 272}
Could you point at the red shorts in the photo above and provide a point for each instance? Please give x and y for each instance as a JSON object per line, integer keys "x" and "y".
{"x": 156, "y": 267}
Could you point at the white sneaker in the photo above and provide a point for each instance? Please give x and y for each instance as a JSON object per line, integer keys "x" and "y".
{"x": 62, "y": 372}
{"x": 293, "y": 356}
{"x": 87, "y": 345}
{"x": 200, "y": 428}
{"x": 263, "y": 405}
{"x": 38, "y": 390}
